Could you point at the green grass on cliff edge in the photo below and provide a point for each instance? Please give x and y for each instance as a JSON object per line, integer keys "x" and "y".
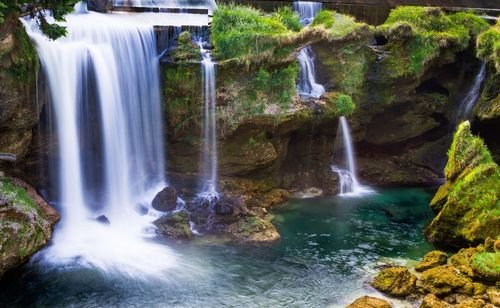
{"x": 337, "y": 26}
{"x": 488, "y": 45}
{"x": 424, "y": 32}
{"x": 238, "y": 31}
{"x": 16, "y": 194}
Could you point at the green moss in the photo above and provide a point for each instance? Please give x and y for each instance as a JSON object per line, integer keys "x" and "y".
{"x": 487, "y": 265}
{"x": 339, "y": 104}
{"x": 488, "y": 46}
{"x": 289, "y": 18}
{"x": 337, "y": 26}
{"x": 417, "y": 35}
{"x": 25, "y": 64}
{"x": 16, "y": 195}
{"x": 240, "y": 31}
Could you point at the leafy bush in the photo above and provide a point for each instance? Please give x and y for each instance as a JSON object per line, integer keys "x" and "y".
{"x": 289, "y": 18}
{"x": 345, "y": 105}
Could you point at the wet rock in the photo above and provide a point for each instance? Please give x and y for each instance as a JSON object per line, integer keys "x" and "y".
{"x": 396, "y": 281}
{"x": 463, "y": 258}
{"x": 174, "y": 226}
{"x": 253, "y": 230}
{"x": 464, "y": 301}
{"x": 494, "y": 295}
{"x": 432, "y": 301}
{"x": 369, "y": 302}
{"x": 103, "y": 220}
{"x": 431, "y": 259}
{"x": 165, "y": 200}
{"x": 445, "y": 279}
{"x": 26, "y": 222}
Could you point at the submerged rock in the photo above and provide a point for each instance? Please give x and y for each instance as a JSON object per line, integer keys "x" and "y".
{"x": 467, "y": 204}
{"x": 26, "y": 222}
{"x": 174, "y": 226}
{"x": 369, "y": 302}
{"x": 165, "y": 200}
{"x": 396, "y": 281}
{"x": 431, "y": 259}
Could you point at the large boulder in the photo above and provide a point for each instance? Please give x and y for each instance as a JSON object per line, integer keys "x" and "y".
{"x": 431, "y": 259}
{"x": 446, "y": 279}
{"x": 253, "y": 230}
{"x": 369, "y": 302}
{"x": 486, "y": 266}
{"x": 174, "y": 226}
{"x": 467, "y": 204}
{"x": 26, "y": 222}
{"x": 395, "y": 281}
{"x": 165, "y": 200}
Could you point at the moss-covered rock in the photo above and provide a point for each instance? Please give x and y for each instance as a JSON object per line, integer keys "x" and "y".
{"x": 488, "y": 45}
{"x": 486, "y": 266}
{"x": 174, "y": 226}
{"x": 463, "y": 258}
{"x": 445, "y": 279}
{"x": 396, "y": 281}
{"x": 469, "y": 200}
{"x": 431, "y": 259}
{"x": 253, "y": 230}
{"x": 432, "y": 301}
{"x": 494, "y": 295}
{"x": 25, "y": 223}
{"x": 369, "y": 302}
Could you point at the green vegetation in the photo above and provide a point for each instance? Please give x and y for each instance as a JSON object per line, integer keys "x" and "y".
{"x": 289, "y": 18}
{"x": 15, "y": 194}
{"x": 488, "y": 45}
{"x": 338, "y": 26}
{"x": 239, "y": 31}
{"x": 469, "y": 200}
{"x": 324, "y": 18}
{"x": 26, "y": 61}
{"x": 417, "y": 35}
{"x": 487, "y": 265}
{"x": 186, "y": 50}
{"x": 339, "y": 104}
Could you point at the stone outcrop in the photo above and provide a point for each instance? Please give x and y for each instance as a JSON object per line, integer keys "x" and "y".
{"x": 467, "y": 204}
{"x": 26, "y": 223}
{"x": 395, "y": 281}
{"x": 431, "y": 259}
{"x": 369, "y": 302}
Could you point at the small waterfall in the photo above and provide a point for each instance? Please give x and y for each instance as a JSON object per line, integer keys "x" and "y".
{"x": 468, "y": 102}
{"x": 348, "y": 180}
{"x": 308, "y": 87}
{"x": 307, "y": 10}
{"x": 209, "y": 159}
{"x": 104, "y": 83}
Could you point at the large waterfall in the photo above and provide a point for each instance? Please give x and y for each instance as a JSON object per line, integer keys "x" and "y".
{"x": 209, "y": 161}
{"x": 107, "y": 65}
{"x": 346, "y": 170}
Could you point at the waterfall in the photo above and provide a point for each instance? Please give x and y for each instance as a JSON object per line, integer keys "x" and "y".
{"x": 209, "y": 159}
{"x": 468, "y": 102}
{"x": 210, "y": 4}
{"x": 308, "y": 87}
{"x": 108, "y": 66}
{"x": 348, "y": 180}
{"x": 307, "y": 10}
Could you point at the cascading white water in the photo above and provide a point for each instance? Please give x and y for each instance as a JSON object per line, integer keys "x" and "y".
{"x": 308, "y": 87}
{"x": 118, "y": 56}
{"x": 467, "y": 103}
{"x": 348, "y": 180}
{"x": 307, "y": 10}
{"x": 210, "y": 4}
{"x": 209, "y": 163}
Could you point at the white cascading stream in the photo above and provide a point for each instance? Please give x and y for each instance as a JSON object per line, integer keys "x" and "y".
{"x": 468, "y": 102}
{"x": 119, "y": 56}
{"x": 307, "y": 10}
{"x": 209, "y": 156}
{"x": 349, "y": 184}
{"x": 307, "y": 86}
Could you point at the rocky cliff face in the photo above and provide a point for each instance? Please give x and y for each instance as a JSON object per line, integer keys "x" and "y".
{"x": 19, "y": 109}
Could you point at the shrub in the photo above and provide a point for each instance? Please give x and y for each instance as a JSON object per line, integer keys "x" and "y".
{"x": 345, "y": 105}
{"x": 324, "y": 18}
{"x": 289, "y": 18}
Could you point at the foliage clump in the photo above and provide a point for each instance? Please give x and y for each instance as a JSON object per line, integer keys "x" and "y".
{"x": 239, "y": 31}
{"x": 339, "y": 104}
{"x": 423, "y": 32}
{"x": 186, "y": 50}
{"x": 488, "y": 45}
{"x": 289, "y": 18}
{"x": 337, "y": 26}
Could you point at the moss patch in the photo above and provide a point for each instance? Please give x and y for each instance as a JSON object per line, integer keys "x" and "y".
{"x": 488, "y": 45}
{"x": 486, "y": 265}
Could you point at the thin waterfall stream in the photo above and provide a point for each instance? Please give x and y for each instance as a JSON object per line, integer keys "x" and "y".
{"x": 470, "y": 99}
{"x": 349, "y": 184}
